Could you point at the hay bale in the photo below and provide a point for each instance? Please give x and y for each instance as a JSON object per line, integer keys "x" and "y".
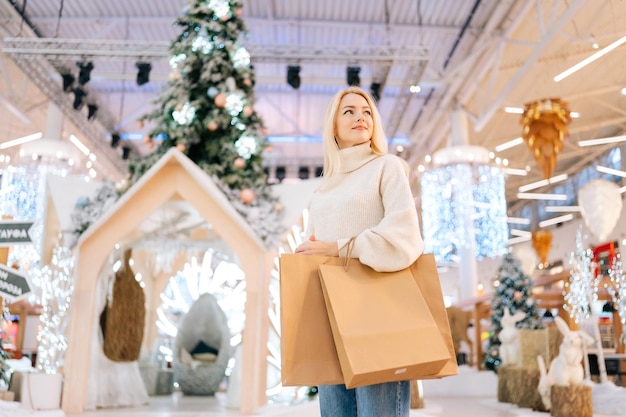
{"x": 571, "y": 401}
{"x": 544, "y": 342}
{"x": 506, "y": 385}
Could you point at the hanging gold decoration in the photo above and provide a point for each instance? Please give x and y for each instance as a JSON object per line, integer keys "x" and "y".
{"x": 542, "y": 243}
{"x": 545, "y": 128}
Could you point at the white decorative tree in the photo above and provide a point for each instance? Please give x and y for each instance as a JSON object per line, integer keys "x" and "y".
{"x": 617, "y": 290}
{"x": 580, "y": 293}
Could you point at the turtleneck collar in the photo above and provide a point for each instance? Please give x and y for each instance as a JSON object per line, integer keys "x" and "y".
{"x": 355, "y": 157}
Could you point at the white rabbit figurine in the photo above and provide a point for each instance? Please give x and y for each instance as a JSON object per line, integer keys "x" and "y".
{"x": 509, "y": 347}
{"x": 566, "y": 368}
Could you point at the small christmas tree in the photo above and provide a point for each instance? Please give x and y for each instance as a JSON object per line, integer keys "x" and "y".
{"x": 206, "y": 111}
{"x": 513, "y": 290}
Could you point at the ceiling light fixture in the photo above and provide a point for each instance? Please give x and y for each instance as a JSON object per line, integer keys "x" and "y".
{"x": 515, "y": 171}
{"x": 375, "y": 91}
{"x": 541, "y": 196}
{"x": 510, "y": 144}
{"x": 352, "y": 76}
{"x": 143, "y": 73}
{"x": 85, "y": 72}
{"x": 68, "y": 82}
{"x": 601, "y": 141}
{"x": 92, "y": 110}
{"x": 517, "y": 232}
{"x": 611, "y": 171}
{"x": 562, "y": 209}
{"x": 589, "y": 59}
{"x": 622, "y": 190}
{"x": 20, "y": 141}
{"x": 538, "y": 184}
{"x": 81, "y": 146}
{"x": 518, "y": 239}
{"x": 517, "y": 220}
{"x": 556, "y": 220}
{"x": 514, "y": 110}
{"x": 79, "y": 96}
{"x": 293, "y": 76}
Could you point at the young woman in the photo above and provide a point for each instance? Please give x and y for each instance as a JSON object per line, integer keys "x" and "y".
{"x": 365, "y": 195}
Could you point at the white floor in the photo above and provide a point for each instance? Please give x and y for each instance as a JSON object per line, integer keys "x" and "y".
{"x": 469, "y": 394}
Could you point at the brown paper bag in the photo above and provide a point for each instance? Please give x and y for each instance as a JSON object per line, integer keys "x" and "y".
{"x": 308, "y": 354}
{"x": 424, "y": 271}
{"x": 382, "y": 326}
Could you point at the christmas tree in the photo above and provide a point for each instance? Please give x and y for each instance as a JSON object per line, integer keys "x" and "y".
{"x": 206, "y": 111}
{"x": 513, "y": 290}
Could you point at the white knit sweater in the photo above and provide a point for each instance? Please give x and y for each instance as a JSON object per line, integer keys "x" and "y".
{"x": 370, "y": 199}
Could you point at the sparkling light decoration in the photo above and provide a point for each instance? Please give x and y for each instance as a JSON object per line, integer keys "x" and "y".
{"x": 581, "y": 292}
{"x": 246, "y": 146}
{"x": 617, "y": 289}
{"x": 177, "y": 59}
{"x": 582, "y": 289}
{"x": 185, "y": 115}
{"x": 235, "y": 103}
{"x": 217, "y": 274}
{"x": 241, "y": 57}
{"x": 201, "y": 43}
{"x": 220, "y": 7}
{"x": 544, "y": 130}
{"x": 464, "y": 204}
{"x": 57, "y": 286}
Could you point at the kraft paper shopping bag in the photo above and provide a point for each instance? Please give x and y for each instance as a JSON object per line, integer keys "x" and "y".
{"x": 382, "y": 326}
{"x": 425, "y": 273}
{"x": 308, "y": 354}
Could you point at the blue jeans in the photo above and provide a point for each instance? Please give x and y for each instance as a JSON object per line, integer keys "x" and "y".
{"x": 389, "y": 399}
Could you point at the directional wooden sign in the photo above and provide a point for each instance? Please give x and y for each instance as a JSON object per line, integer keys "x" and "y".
{"x": 14, "y": 232}
{"x": 13, "y": 285}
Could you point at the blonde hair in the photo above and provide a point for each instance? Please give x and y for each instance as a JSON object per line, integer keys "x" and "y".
{"x": 378, "y": 141}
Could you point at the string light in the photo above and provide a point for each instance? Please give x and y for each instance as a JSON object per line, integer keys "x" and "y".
{"x": 582, "y": 289}
{"x": 454, "y": 194}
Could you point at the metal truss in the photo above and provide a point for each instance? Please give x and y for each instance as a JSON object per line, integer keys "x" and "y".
{"x": 62, "y": 49}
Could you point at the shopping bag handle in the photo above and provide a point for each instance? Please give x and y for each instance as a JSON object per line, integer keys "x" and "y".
{"x": 350, "y": 245}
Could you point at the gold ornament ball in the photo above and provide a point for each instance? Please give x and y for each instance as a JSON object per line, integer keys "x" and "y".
{"x": 225, "y": 18}
{"x": 220, "y": 100}
{"x": 147, "y": 139}
{"x": 247, "y": 111}
{"x": 239, "y": 163}
{"x": 246, "y": 196}
{"x": 212, "y": 126}
{"x": 247, "y": 82}
{"x": 239, "y": 12}
{"x": 278, "y": 207}
{"x": 181, "y": 147}
{"x": 141, "y": 124}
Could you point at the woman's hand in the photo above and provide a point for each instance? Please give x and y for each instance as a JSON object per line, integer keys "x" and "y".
{"x": 318, "y": 247}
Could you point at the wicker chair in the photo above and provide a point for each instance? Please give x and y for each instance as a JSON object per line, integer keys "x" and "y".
{"x": 202, "y": 348}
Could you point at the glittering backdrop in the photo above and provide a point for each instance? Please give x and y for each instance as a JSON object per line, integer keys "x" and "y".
{"x": 464, "y": 204}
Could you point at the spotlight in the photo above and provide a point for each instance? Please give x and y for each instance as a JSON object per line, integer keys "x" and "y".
{"x": 281, "y": 173}
{"x": 68, "y": 82}
{"x": 143, "y": 75}
{"x": 293, "y": 76}
{"x": 303, "y": 173}
{"x": 352, "y": 76}
{"x": 375, "y": 91}
{"x": 79, "y": 97}
{"x": 92, "y": 110}
{"x": 85, "y": 72}
{"x": 125, "y": 152}
{"x": 115, "y": 139}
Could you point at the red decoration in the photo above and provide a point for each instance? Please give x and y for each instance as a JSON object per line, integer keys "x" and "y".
{"x": 239, "y": 163}
{"x": 212, "y": 126}
{"x": 604, "y": 256}
{"x": 246, "y": 196}
{"x": 220, "y": 100}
